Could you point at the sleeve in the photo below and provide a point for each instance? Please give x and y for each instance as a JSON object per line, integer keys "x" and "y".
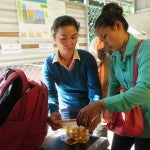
{"x": 52, "y": 91}
{"x": 94, "y": 87}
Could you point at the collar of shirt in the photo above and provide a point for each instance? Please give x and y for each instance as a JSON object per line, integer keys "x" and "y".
{"x": 130, "y": 47}
{"x": 75, "y": 57}
{"x": 130, "y": 51}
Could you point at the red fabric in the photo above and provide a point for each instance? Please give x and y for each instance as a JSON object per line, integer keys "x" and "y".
{"x": 128, "y": 123}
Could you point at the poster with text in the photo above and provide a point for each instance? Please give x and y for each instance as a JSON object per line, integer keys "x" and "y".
{"x": 33, "y": 18}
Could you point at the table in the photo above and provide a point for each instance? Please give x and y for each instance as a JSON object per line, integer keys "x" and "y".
{"x": 56, "y": 143}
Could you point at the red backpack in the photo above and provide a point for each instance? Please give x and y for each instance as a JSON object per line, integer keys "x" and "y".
{"x": 23, "y": 111}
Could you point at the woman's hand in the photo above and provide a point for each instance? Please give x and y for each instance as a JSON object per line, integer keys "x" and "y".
{"x": 101, "y": 53}
{"x": 53, "y": 121}
{"x": 89, "y": 116}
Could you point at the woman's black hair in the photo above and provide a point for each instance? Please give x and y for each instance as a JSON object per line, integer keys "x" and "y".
{"x": 112, "y": 7}
{"x": 110, "y": 15}
{"x": 64, "y": 21}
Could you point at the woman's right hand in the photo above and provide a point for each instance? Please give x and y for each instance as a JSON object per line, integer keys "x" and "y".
{"x": 89, "y": 116}
{"x": 101, "y": 53}
{"x": 53, "y": 121}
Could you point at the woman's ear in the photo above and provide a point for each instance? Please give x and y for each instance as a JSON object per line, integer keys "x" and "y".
{"x": 117, "y": 25}
{"x": 54, "y": 36}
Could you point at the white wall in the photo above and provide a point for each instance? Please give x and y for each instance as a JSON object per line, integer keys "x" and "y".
{"x": 9, "y": 32}
{"x": 142, "y": 5}
{"x": 30, "y": 52}
{"x": 141, "y": 23}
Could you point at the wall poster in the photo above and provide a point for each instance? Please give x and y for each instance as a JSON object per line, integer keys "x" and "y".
{"x": 33, "y": 18}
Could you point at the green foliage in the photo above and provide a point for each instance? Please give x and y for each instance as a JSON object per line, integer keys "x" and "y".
{"x": 91, "y": 2}
{"x": 93, "y": 13}
{"x": 127, "y": 10}
{"x": 78, "y": 1}
{"x": 96, "y": 3}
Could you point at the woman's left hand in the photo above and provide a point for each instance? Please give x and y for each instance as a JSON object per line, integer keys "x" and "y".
{"x": 106, "y": 117}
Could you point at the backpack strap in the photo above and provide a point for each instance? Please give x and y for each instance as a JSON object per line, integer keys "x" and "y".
{"x": 7, "y": 79}
{"x": 135, "y": 63}
{"x": 25, "y": 82}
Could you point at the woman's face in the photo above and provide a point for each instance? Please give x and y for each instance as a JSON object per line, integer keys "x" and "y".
{"x": 111, "y": 36}
{"x": 66, "y": 39}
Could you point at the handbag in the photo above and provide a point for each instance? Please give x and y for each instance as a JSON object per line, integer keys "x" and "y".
{"x": 129, "y": 123}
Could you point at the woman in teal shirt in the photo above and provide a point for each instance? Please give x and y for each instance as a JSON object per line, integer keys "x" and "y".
{"x": 112, "y": 28}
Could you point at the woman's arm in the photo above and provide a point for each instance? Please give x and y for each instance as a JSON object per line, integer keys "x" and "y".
{"x": 94, "y": 87}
